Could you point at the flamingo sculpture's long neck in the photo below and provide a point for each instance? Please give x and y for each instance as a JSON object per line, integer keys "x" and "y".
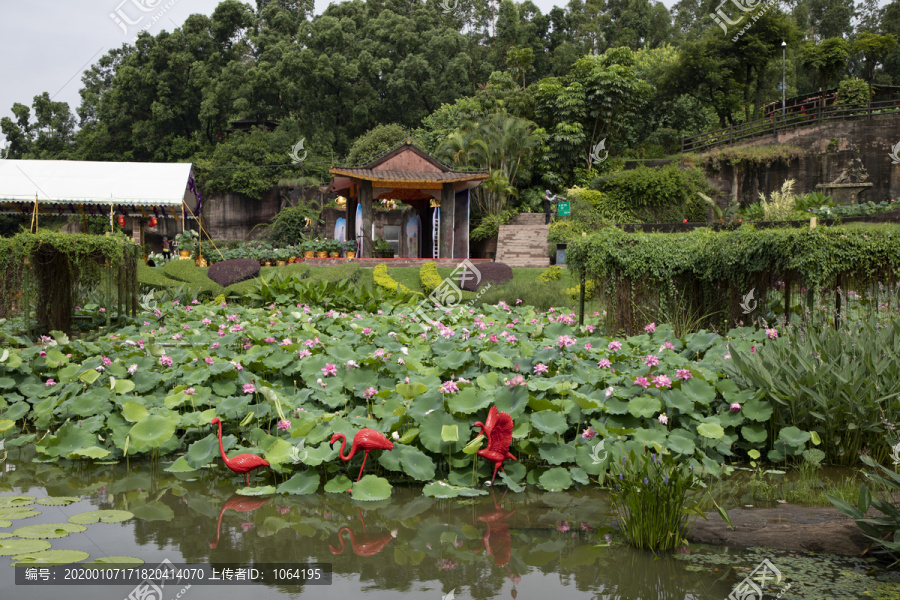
{"x": 341, "y": 537}
{"x": 218, "y": 528}
{"x": 222, "y": 448}
{"x": 343, "y": 444}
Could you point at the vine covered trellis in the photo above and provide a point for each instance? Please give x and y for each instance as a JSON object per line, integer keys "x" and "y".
{"x": 707, "y": 275}
{"x": 44, "y": 273}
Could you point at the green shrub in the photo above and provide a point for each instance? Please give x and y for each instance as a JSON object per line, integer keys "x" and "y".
{"x": 651, "y": 195}
{"x": 185, "y": 270}
{"x": 590, "y": 289}
{"x": 429, "y": 277}
{"x": 288, "y": 226}
{"x": 550, "y": 274}
{"x": 154, "y": 277}
{"x": 384, "y": 280}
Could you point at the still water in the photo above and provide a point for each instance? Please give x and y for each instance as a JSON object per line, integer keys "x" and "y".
{"x": 531, "y": 545}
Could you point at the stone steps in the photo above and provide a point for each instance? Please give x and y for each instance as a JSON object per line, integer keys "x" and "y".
{"x": 524, "y": 245}
{"x": 529, "y": 219}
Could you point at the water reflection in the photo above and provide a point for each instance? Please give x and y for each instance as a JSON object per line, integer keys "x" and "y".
{"x": 530, "y": 545}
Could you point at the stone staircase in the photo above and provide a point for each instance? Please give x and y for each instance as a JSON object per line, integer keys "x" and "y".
{"x": 523, "y": 243}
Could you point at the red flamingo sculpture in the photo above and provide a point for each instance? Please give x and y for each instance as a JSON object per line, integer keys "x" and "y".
{"x": 241, "y": 504}
{"x": 498, "y": 430}
{"x": 365, "y": 439}
{"x": 242, "y": 463}
{"x": 367, "y": 545}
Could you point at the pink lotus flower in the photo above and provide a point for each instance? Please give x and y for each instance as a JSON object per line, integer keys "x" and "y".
{"x": 329, "y": 369}
{"x": 304, "y": 353}
{"x": 103, "y": 310}
{"x": 518, "y": 380}
{"x": 604, "y": 363}
{"x": 190, "y": 392}
{"x": 370, "y": 391}
{"x": 367, "y": 330}
{"x": 610, "y": 391}
{"x": 284, "y": 424}
{"x": 232, "y": 317}
{"x": 214, "y": 346}
{"x": 50, "y": 382}
{"x": 651, "y": 360}
{"x": 667, "y": 346}
{"x": 165, "y": 361}
{"x": 650, "y": 328}
{"x": 588, "y": 434}
{"x": 663, "y": 419}
{"x": 588, "y": 346}
{"x": 132, "y": 369}
{"x": 589, "y": 328}
{"x": 683, "y": 374}
{"x": 772, "y": 333}
{"x": 42, "y": 353}
{"x": 106, "y": 362}
{"x": 493, "y": 338}
{"x": 735, "y": 406}
{"x": 562, "y": 526}
{"x": 540, "y": 368}
{"x": 176, "y": 337}
{"x": 642, "y": 381}
{"x": 448, "y": 387}
{"x": 662, "y": 381}
{"x": 752, "y": 349}
{"x": 270, "y": 340}
{"x": 249, "y": 388}
{"x": 614, "y": 346}
{"x": 518, "y": 301}
{"x": 564, "y": 341}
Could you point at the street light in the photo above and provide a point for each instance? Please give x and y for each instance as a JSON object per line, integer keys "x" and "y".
{"x": 783, "y": 115}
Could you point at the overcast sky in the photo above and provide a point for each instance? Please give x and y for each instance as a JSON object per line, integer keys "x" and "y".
{"x": 47, "y": 44}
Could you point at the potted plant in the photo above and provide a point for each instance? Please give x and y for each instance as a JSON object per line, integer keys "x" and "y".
{"x": 281, "y": 256}
{"x": 187, "y": 242}
{"x": 350, "y": 249}
{"x": 334, "y": 249}
{"x": 309, "y": 248}
{"x": 321, "y": 248}
{"x": 382, "y": 250}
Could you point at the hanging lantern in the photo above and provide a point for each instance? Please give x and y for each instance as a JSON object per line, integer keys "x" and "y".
{"x": 121, "y": 220}
{"x": 152, "y": 221}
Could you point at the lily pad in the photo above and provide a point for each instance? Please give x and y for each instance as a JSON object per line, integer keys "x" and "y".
{"x": 20, "y": 512}
{"x": 49, "y": 530}
{"x": 58, "y": 500}
{"x": 4, "y": 523}
{"x": 11, "y": 547}
{"x": 264, "y": 490}
{"x": 371, "y": 487}
{"x": 710, "y": 430}
{"x": 49, "y": 557}
{"x": 338, "y": 485}
{"x": 440, "y": 489}
{"x": 300, "y": 484}
{"x": 14, "y": 501}
{"x": 556, "y": 479}
{"x": 101, "y": 516}
{"x": 106, "y": 561}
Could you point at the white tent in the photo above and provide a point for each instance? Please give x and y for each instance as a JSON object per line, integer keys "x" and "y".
{"x": 72, "y": 187}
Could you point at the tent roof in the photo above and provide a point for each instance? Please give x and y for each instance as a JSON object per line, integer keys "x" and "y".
{"x": 98, "y": 183}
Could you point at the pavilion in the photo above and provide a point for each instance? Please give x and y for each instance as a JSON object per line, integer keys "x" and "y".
{"x": 440, "y": 196}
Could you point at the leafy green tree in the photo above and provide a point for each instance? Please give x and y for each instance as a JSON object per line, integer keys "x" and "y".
{"x": 49, "y": 136}
{"x": 828, "y": 57}
{"x": 874, "y": 49}
{"x": 377, "y": 140}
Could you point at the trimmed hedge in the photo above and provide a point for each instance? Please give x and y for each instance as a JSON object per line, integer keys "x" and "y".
{"x": 384, "y": 280}
{"x": 492, "y": 272}
{"x": 229, "y": 272}
{"x": 185, "y": 270}
{"x": 154, "y": 277}
{"x": 429, "y": 277}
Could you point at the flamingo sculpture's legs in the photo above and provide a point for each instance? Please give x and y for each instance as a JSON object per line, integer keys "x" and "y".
{"x": 363, "y": 466}
{"x": 247, "y": 478}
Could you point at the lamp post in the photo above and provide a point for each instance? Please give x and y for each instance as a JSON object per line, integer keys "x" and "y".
{"x": 783, "y": 114}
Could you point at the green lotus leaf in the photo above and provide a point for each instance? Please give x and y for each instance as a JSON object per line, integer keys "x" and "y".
{"x": 18, "y": 512}
{"x": 16, "y": 501}
{"x": 223, "y": 388}
{"x": 548, "y": 421}
{"x": 6, "y": 425}
{"x": 556, "y": 479}
{"x": 794, "y": 437}
{"x": 89, "y": 376}
{"x": 152, "y": 510}
{"x": 512, "y": 485}
{"x": 338, "y": 485}
{"x": 712, "y": 431}
{"x": 203, "y": 452}
{"x": 557, "y": 454}
{"x": 58, "y": 500}
{"x": 10, "y": 547}
{"x": 409, "y": 435}
{"x": 152, "y": 432}
{"x": 49, "y": 557}
{"x": 757, "y": 410}
{"x": 371, "y": 487}
{"x": 699, "y": 391}
{"x": 49, "y": 530}
{"x": 415, "y": 463}
{"x": 468, "y": 401}
{"x": 653, "y": 437}
{"x": 101, "y": 516}
{"x": 495, "y": 360}
{"x": 644, "y": 406}
{"x": 134, "y": 412}
{"x": 579, "y": 475}
{"x": 113, "y": 561}
{"x": 411, "y": 390}
{"x": 450, "y": 433}
{"x": 440, "y": 489}
{"x": 300, "y": 484}
{"x": 755, "y": 433}
{"x": 681, "y": 441}
{"x": 180, "y": 466}
{"x": 475, "y": 445}
{"x": 263, "y": 490}
{"x": 67, "y": 440}
{"x": 91, "y": 452}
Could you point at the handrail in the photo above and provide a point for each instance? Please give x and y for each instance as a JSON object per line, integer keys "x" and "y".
{"x": 793, "y": 120}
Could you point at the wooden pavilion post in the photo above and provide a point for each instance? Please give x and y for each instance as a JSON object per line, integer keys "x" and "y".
{"x": 368, "y": 217}
{"x": 448, "y": 211}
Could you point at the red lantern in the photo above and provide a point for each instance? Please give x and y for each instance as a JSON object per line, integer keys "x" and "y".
{"x": 121, "y": 221}
{"x": 152, "y": 221}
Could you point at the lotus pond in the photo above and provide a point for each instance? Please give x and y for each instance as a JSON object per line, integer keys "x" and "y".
{"x": 532, "y": 544}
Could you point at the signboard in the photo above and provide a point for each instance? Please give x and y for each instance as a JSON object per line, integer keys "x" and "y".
{"x": 563, "y": 209}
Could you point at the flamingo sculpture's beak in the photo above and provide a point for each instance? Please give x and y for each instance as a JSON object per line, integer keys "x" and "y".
{"x": 331, "y": 445}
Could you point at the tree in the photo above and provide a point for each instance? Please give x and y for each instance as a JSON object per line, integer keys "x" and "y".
{"x": 828, "y": 58}
{"x": 874, "y": 49}
{"x": 50, "y": 136}
{"x": 377, "y": 140}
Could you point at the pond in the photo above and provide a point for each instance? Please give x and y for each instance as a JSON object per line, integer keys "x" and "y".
{"x": 528, "y": 545}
